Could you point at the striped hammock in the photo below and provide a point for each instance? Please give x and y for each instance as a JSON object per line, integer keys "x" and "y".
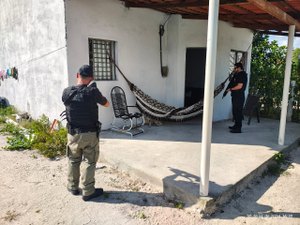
{"x": 160, "y": 111}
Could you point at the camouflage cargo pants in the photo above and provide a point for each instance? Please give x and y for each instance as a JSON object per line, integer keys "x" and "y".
{"x": 84, "y": 148}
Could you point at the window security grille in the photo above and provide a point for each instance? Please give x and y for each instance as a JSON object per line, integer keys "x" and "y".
{"x": 98, "y": 57}
{"x": 237, "y": 56}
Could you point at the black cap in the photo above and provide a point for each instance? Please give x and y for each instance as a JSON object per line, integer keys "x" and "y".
{"x": 239, "y": 65}
{"x": 86, "y": 71}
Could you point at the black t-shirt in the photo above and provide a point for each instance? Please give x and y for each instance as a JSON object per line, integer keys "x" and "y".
{"x": 240, "y": 77}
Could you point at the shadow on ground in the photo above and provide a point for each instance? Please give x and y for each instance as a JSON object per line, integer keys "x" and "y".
{"x": 257, "y": 190}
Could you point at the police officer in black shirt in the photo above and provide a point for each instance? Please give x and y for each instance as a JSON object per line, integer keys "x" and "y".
{"x": 83, "y": 132}
{"x": 237, "y": 89}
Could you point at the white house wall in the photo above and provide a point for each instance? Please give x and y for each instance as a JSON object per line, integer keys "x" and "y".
{"x": 32, "y": 39}
{"x": 136, "y": 32}
{"x": 192, "y": 33}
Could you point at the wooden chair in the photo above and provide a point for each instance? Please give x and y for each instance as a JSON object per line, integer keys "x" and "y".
{"x": 125, "y": 121}
{"x": 252, "y": 107}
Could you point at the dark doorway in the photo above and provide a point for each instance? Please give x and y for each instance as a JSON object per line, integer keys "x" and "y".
{"x": 194, "y": 75}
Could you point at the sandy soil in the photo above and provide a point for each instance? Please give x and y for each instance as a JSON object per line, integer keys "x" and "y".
{"x": 33, "y": 191}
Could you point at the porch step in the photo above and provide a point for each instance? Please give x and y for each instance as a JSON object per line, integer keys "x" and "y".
{"x": 188, "y": 192}
{"x": 209, "y": 205}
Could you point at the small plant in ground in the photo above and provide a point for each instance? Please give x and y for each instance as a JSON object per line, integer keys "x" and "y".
{"x": 10, "y": 216}
{"x": 276, "y": 169}
{"x": 140, "y": 215}
{"x": 6, "y": 111}
{"x": 177, "y": 204}
{"x": 20, "y": 139}
{"x": 279, "y": 158}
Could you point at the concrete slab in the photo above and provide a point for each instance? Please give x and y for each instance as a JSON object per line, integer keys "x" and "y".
{"x": 169, "y": 156}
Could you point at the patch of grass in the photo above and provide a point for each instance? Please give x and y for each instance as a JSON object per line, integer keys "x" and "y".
{"x": 140, "y": 215}
{"x": 177, "y": 204}
{"x": 19, "y": 139}
{"x": 275, "y": 169}
{"x": 7, "y": 111}
{"x": 279, "y": 158}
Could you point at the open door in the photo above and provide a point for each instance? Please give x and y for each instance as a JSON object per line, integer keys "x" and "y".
{"x": 194, "y": 75}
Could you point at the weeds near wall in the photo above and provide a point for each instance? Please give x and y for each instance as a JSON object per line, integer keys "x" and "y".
{"x": 6, "y": 112}
{"x": 276, "y": 168}
{"x": 50, "y": 144}
{"x": 34, "y": 134}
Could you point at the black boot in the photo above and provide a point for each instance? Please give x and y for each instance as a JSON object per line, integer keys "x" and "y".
{"x": 236, "y": 130}
{"x": 97, "y": 193}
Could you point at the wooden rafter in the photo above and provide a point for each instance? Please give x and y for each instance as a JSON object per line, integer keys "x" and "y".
{"x": 276, "y": 12}
{"x": 202, "y": 3}
{"x": 230, "y": 17}
{"x": 252, "y": 14}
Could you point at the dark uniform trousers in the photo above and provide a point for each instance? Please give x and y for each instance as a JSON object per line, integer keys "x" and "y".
{"x": 237, "y": 109}
{"x": 82, "y": 147}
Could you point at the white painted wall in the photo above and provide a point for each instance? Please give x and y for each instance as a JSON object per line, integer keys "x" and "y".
{"x": 32, "y": 38}
{"x": 192, "y": 33}
{"x": 136, "y": 32}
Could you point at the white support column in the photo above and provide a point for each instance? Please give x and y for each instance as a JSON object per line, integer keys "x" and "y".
{"x": 286, "y": 85}
{"x": 211, "y": 55}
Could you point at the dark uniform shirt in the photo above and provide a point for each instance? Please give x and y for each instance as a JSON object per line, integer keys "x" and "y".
{"x": 81, "y": 105}
{"x": 240, "y": 77}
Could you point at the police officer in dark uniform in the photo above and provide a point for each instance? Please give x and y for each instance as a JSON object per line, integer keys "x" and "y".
{"x": 237, "y": 88}
{"x": 83, "y": 132}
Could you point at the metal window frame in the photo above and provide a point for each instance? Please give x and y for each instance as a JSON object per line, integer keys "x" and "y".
{"x": 98, "y": 59}
{"x": 236, "y": 58}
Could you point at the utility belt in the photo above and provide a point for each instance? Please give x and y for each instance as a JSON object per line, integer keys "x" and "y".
{"x": 73, "y": 131}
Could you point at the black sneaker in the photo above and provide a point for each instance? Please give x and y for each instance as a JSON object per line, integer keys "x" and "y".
{"x": 232, "y": 127}
{"x": 236, "y": 131}
{"x": 97, "y": 193}
{"x": 74, "y": 192}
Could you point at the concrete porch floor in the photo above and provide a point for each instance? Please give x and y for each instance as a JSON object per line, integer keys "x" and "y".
{"x": 168, "y": 156}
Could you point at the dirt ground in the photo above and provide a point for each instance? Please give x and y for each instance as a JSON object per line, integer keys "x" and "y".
{"x": 33, "y": 191}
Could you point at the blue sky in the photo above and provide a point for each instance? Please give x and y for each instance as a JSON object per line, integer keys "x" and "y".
{"x": 282, "y": 40}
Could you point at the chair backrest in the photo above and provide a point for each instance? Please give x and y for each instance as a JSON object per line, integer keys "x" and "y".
{"x": 250, "y": 105}
{"x": 119, "y": 103}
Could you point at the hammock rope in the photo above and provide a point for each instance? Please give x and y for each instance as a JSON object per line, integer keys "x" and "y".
{"x": 160, "y": 111}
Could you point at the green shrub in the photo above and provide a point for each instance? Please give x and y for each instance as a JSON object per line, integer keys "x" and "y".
{"x": 20, "y": 139}
{"x": 7, "y": 111}
{"x": 37, "y": 135}
{"x": 19, "y": 142}
{"x": 50, "y": 144}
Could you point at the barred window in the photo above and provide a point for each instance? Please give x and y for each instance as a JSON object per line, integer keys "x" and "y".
{"x": 98, "y": 57}
{"x": 237, "y": 56}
